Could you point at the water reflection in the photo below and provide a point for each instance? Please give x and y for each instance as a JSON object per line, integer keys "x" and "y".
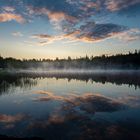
{"x": 88, "y": 102}
{"x": 10, "y": 119}
{"x": 30, "y": 79}
{"x": 58, "y": 108}
{"x": 9, "y": 81}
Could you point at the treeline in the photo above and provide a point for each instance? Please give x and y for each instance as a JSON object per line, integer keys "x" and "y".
{"x": 119, "y": 61}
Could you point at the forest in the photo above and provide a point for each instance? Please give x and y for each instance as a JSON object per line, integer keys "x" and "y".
{"x": 130, "y": 60}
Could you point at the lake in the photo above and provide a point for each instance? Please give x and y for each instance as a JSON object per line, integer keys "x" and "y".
{"x": 70, "y": 106}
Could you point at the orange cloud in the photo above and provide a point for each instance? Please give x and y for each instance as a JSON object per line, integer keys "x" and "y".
{"x": 50, "y": 96}
{"x": 87, "y": 102}
{"x": 4, "y": 17}
{"x": 52, "y": 15}
{"x": 90, "y": 32}
{"x": 57, "y": 16}
{"x": 11, "y": 119}
{"x": 45, "y": 39}
{"x": 76, "y": 100}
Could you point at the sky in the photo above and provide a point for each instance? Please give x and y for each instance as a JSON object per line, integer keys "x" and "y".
{"x": 61, "y": 28}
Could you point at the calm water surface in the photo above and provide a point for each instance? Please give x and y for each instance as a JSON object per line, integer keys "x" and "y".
{"x": 69, "y": 107}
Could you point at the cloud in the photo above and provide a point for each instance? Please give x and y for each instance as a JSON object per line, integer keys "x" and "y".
{"x": 88, "y": 102}
{"x": 11, "y": 118}
{"x": 54, "y": 16}
{"x": 115, "y": 5}
{"x": 50, "y": 96}
{"x": 86, "y": 5}
{"x": 17, "y": 34}
{"x": 131, "y": 100}
{"x": 89, "y": 32}
{"x": 45, "y": 39}
{"x": 9, "y": 9}
{"x": 59, "y": 19}
{"x": 73, "y": 19}
{"x": 96, "y": 32}
{"x": 75, "y": 107}
{"x": 75, "y": 110}
{"x": 44, "y": 92}
{"x": 72, "y": 105}
{"x": 4, "y": 17}
{"x": 84, "y": 9}
{"x": 129, "y": 35}
{"x": 41, "y": 36}
{"x": 92, "y": 32}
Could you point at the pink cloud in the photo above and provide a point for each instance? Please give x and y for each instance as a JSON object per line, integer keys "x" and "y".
{"x": 54, "y": 16}
{"x": 4, "y": 17}
{"x": 11, "y": 119}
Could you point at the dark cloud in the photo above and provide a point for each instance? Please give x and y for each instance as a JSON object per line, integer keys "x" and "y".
{"x": 91, "y": 32}
{"x": 95, "y": 32}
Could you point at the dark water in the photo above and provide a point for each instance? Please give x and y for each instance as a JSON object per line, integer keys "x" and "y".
{"x": 70, "y": 106}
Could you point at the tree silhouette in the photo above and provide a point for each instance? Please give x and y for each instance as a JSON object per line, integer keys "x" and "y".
{"x": 119, "y": 61}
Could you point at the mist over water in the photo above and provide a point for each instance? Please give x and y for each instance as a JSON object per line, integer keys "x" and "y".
{"x": 71, "y": 71}
{"x": 99, "y": 64}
